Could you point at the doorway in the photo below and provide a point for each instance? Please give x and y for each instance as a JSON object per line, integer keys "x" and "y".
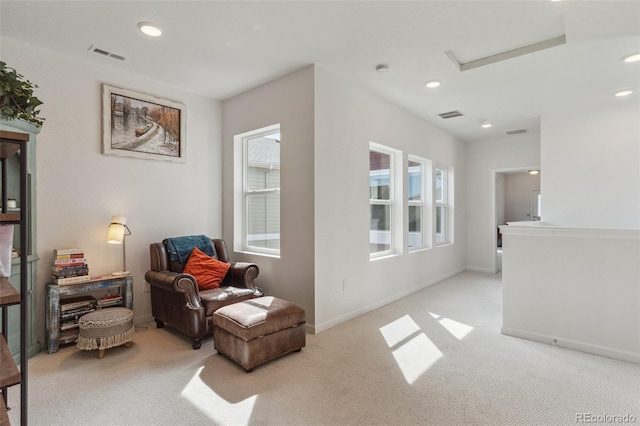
{"x": 516, "y": 198}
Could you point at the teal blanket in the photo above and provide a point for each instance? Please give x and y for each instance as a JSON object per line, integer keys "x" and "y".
{"x": 180, "y": 248}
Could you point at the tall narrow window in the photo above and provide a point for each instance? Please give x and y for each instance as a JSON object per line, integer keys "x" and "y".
{"x": 382, "y": 210}
{"x": 416, "y": 171}
{"x": 261, "y": 191}
{"x": 442, "y": 205}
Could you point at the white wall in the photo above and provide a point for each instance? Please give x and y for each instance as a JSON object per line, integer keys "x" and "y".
{"x": 591, "y": 167}
{"x": 326, "y": 127}
{"x": 347, "y": 119}
{"x": 484, "y": 159}
{"x": 517, "y": 195}
{"x": 288, "y": 101}
{"x": 572, "y": 287}
{"x": 500, "y": 199}
{"x": 79, "y": 189}
{"x": 577, "y": 282}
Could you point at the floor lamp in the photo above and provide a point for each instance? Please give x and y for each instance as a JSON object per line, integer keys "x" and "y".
{"x": 118, "y": 230}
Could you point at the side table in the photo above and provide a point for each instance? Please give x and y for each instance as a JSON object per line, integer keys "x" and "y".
{"x": 54, "y": 292}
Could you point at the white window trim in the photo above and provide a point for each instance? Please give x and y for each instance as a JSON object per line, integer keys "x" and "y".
{"x": 448, "y": 195}
{"x": 424, "y": 202}
{"x": 241, "y": 194}
{"x": 395, "y": 188}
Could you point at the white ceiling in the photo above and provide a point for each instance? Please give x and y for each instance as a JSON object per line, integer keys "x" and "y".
{"x": 222, "y": 48}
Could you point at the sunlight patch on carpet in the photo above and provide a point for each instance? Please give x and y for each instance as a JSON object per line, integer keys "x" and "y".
{"x": 216, "y": 407}
{"x": 414, "y": 355}
{"x": 399, "y": 330}
{"x": 458, "y": 329}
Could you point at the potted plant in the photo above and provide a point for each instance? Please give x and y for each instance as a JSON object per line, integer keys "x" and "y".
{"x": 16, "y": 97}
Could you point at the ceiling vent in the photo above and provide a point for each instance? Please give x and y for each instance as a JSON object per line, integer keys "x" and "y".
{"x": 516, "y": 132}
{"x": 450, "y": 114}
{"x": 105, "y": 53}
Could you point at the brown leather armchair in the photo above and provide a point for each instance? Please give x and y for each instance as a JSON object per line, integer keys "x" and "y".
{"x": 177, "y": 301}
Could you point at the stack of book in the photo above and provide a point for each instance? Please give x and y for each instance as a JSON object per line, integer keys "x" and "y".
{"x": 71, "y": 310}
{"x": 109, "y": 301}
{"x": 69, "y": 267}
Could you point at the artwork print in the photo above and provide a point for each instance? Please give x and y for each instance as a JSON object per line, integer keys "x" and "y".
{"x": 142, "y": 126}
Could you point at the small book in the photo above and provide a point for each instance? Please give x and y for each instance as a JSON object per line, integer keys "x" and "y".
{"x": 73, "y": 303}
{"x": 71, "y": 280}
{"x": 69, "y": 256}
{"x": 115, "y": 299}
{"x": 74, "y": 261}
{"x": 60, "y": 271}
{"x": 64, "y": 251}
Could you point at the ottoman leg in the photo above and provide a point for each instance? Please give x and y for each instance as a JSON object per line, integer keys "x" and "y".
{"x": 101, "y": 354}
{"x": 127, "y": 345}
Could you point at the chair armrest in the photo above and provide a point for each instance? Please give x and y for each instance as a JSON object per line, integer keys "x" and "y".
{"x": 175, "y": 282}
{"x": 242, "y": 274}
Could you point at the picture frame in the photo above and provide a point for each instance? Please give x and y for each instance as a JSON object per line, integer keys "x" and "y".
{"x": 142, "y": 126}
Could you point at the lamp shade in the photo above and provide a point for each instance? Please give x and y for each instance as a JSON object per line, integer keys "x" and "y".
{"x": 117, "y": 227}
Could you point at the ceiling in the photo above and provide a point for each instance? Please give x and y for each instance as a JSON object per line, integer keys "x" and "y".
{"x": 221, "y": 48}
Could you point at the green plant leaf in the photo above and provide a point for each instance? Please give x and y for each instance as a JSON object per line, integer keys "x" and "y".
{"x": 16, "y": 96}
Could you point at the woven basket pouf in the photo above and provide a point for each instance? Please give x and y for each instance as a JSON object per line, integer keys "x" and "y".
{"x": 106, "y": 328}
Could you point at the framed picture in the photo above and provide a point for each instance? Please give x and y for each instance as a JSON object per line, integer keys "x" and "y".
{"x": 142, "y": 126}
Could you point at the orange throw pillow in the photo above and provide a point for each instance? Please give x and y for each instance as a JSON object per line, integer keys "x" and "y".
{"x": 207, "y": 271}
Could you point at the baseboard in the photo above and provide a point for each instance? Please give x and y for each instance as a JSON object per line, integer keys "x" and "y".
{"x": 142, "y": 320}
{"x": 365, "y": 309}
{"x": 574, "y": 345}
{"x": 478, "y": 269}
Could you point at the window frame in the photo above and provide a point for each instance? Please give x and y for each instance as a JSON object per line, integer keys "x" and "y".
{"x": 424, "y": 202}
{"x": 395, "y": 207}
{"x": 241, "y": 241}
{"x": 446, "y": 204}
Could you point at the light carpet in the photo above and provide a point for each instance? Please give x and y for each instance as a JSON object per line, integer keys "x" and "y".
{"x": 433, "y": 358}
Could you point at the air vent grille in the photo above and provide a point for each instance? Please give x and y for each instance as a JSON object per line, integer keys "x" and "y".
{"x": 450, "y": 114}
{"x": 516, "y": 132}
{"x": 105, "y": 53}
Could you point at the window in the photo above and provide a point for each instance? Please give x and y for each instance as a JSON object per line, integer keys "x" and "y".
{"x": 383, "y": 215}
{"x": 261, "y": 190}
{"x": 443, "y": 189}
{"x": 418, "y": 225}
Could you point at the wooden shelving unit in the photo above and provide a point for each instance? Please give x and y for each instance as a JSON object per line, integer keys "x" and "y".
{"x": 10, "y": 375}
{"x": 8, "y": 294}
{"x": 4, "y": 417}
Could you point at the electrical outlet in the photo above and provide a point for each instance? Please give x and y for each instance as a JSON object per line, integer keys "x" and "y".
{"x": 344, "y": 284}
{"x": 147, "y": 287}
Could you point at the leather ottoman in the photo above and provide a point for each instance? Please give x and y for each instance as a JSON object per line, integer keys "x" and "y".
{"x": 255, "y": 331}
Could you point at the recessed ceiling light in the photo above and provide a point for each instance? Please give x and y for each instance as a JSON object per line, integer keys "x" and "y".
{"x": 632, "y": 58}
{"x": 624, "y": 93}
{"x": 150, "y": 29}
{"x": 433, "y": 83}
{"x": 484, "y": 123}
{"x": 534, "y": 172}
{"x": 382, "y": 68}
